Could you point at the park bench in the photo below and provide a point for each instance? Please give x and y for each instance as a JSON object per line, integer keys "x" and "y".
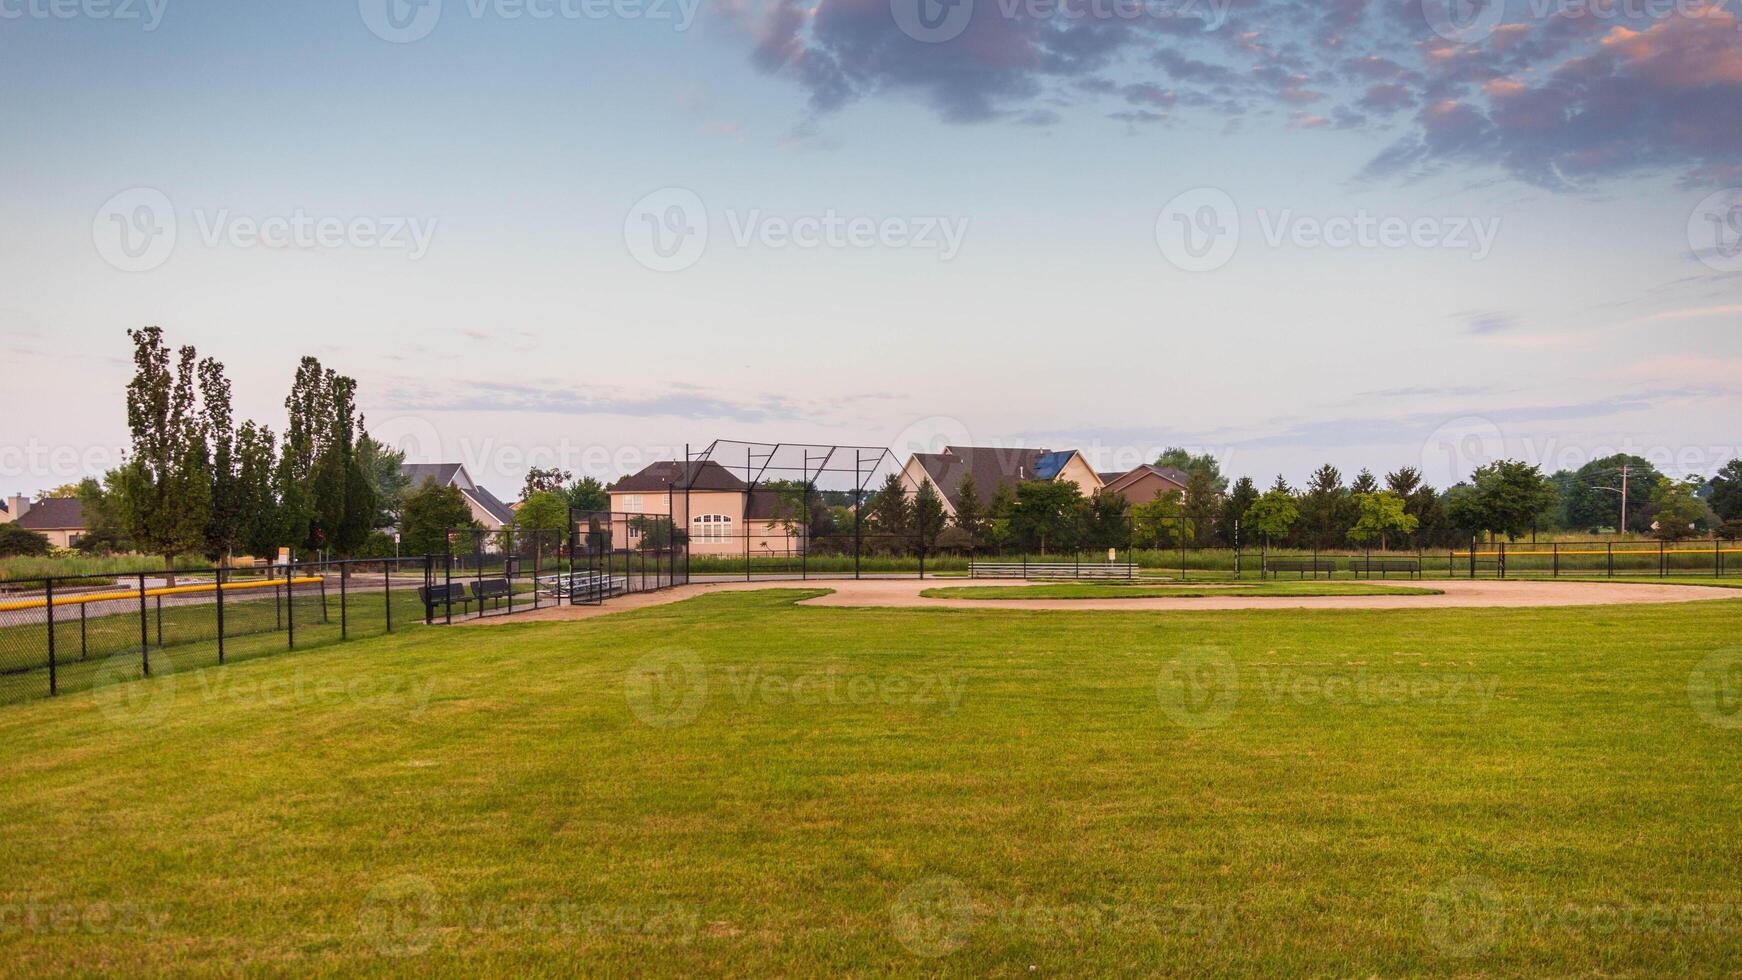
{"x": 1302, "y": 565}
{"x": 443, "y": 596}
{"x": 490, "y": 590}
{"x": 1050, "y": 570}
{"x": 1384, "y": 566}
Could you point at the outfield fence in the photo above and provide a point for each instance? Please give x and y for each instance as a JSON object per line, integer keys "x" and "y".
{"x": 63, "y": 634}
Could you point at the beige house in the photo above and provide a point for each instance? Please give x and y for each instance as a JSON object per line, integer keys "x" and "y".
{"x": 996, "y": 467}
{"x": 1146, "y": 483}
{"x": 721, "y": 514}
{"x": 59, "y": 519}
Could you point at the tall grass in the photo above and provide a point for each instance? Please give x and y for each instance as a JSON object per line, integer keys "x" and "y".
{"x": 17, "y": 568}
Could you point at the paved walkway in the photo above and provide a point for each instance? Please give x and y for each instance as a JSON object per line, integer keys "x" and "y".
{"x": 905, "y": 593}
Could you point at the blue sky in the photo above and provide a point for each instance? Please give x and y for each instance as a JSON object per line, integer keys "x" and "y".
{"x": 492, "y": 190}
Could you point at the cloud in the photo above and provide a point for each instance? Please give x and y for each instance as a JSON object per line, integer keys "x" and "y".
{"x": 1556, "y": 100}
{"x": 491, "y": 396}
{"x": 1486, "y": 322}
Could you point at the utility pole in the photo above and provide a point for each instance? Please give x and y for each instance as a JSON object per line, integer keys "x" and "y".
{"x": 1624, "y": 498}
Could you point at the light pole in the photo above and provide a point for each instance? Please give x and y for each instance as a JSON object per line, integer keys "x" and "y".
{"x": 1623, "y": 492}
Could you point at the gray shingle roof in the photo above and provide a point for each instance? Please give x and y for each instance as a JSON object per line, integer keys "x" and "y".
{"x": 54, "y": 514}
{"x": 671, "y": 474}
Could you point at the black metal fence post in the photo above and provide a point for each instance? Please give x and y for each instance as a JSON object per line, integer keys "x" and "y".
{"x": 387, "y": 592}
{"x": 448, "y": 586}
{"x": 219, "y": 588}
{"x": 144, "y": 631}
{"x": 290, "y": 603}
{"x": 344, "y": 619}
{"x": 48, "y": 598}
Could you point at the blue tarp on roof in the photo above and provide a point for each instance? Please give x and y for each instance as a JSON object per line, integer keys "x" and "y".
{"x": 1048, "y": 466}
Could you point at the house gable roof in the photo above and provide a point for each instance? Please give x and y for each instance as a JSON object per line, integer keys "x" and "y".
{"x": 673, "y": 475}
{"x": 487, "y": 500}
{"x": 54, "y": 514}
{"x": 992, "y": 467}
{"x": 442, "y": 473}
{"x": 1173, "y": 475}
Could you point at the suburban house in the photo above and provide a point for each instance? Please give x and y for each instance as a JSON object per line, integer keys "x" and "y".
{"x": 720, "y": 512}
{"x": 489, "y": 512}
{"x": 996, "y": 467}
{"x": 59, "y": 519}
{"x": 1146, "y": 483}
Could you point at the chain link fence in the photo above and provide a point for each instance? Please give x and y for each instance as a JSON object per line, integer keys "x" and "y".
{"x": 68, "y": 633}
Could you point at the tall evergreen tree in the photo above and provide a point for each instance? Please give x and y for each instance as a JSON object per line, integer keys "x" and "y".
{"x": 259, "y": 530}
{"x": 164, "y": 490}
{"x": 224, "y": 526}
{"x": 969, "y": 515}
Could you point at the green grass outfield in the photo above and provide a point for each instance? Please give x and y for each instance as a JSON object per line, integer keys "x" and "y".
{"x": 735, "y": 784}
{"x": 1120, "y": 590}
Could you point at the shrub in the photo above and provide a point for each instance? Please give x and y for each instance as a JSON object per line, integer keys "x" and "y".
{"x": 16, "y": 542}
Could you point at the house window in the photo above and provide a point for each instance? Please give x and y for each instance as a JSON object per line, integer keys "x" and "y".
{"x": 632, "y": 503}
{"x": 712, "y": 527}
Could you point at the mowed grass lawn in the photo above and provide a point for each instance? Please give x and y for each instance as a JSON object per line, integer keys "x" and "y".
{"x": 735, "y": 784}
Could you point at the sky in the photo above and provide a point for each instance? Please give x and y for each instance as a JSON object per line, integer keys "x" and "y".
{"x": 589, "y": 233}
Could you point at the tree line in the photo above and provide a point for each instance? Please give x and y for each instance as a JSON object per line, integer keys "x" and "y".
{"x": 1506, "y": 498}
{"x": 193, "y": 481}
